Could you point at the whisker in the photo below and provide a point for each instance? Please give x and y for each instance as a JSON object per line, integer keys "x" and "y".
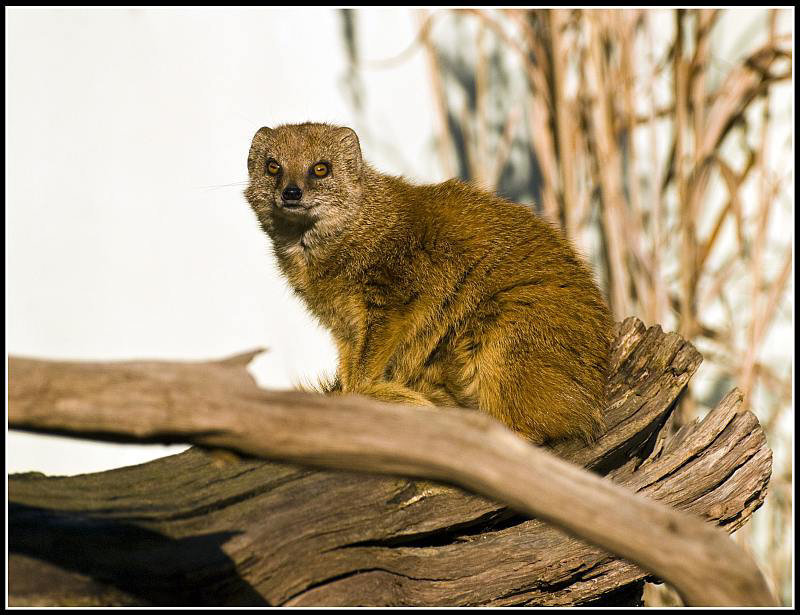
{"x": 217, "y": 186}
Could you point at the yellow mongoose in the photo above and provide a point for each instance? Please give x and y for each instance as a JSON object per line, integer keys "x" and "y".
{"x": 434, "y": 294}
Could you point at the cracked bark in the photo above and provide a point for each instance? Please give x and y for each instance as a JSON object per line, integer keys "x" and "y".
{"x": 187, "y": 529}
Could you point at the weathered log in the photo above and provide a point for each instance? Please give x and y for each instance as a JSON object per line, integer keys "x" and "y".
{"x": 184, "y": 530}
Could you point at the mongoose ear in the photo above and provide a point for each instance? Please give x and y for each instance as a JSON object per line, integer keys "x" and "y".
{"x": 348, "y": 139}
{"x": 258, "y": 142}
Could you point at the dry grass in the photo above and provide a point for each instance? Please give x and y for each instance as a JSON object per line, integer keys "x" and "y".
{"x": 653, "y": 153}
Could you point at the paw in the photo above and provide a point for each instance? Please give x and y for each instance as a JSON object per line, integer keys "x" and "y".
{"x": 393, "y": 393}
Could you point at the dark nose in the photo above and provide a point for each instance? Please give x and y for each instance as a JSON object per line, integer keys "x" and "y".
{"x": 292, "y": 193}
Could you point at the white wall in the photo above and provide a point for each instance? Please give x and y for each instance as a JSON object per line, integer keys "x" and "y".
{"x": 127, "y": 235}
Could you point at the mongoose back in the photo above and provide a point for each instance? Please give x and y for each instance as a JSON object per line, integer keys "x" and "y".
{"x": 439, "y": 294}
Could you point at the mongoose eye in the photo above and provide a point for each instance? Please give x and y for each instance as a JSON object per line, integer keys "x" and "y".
{"x": 273, "y": 168}
{"x": 321, "y": 169}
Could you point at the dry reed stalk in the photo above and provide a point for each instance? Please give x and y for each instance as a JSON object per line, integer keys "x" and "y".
{"x": 680, "y": 70}
{"x": 718, "y": 279}
{"x": 540, "y": 123}
{"x": 583, "y": 202}
{"x": 760, "y": 318}
{"x": 563, "y": 118}
{"x": 733, "y": 182}
{"x": 481, "y": 141}
{"x": 444, "y": 140}
{"x": 659, "y": 302}
{"x": 504, "y": 148}
{"x": 425, "y": 23}
{"x": 609, "y": 170}
{"x": 622, "y": 27}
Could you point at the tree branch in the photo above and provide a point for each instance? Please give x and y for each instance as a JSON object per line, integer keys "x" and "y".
{"x": 216, "y": 405}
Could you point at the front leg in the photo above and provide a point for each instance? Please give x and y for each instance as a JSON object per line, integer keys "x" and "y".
{"x": 392, "y": 392}
{"x": 370, "y": 342}
{"x": 363, "y": 359}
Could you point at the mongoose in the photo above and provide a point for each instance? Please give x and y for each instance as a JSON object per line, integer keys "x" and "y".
{"x": 439, "y": 294}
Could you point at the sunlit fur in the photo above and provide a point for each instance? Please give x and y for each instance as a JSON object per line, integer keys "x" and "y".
{"x": 435, "y": 294}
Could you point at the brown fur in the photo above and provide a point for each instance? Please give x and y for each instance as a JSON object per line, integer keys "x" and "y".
{"x": 435, "y": 294}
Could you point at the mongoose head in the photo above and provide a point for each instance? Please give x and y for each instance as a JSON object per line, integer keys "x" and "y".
{"x": 303, "y": 176}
